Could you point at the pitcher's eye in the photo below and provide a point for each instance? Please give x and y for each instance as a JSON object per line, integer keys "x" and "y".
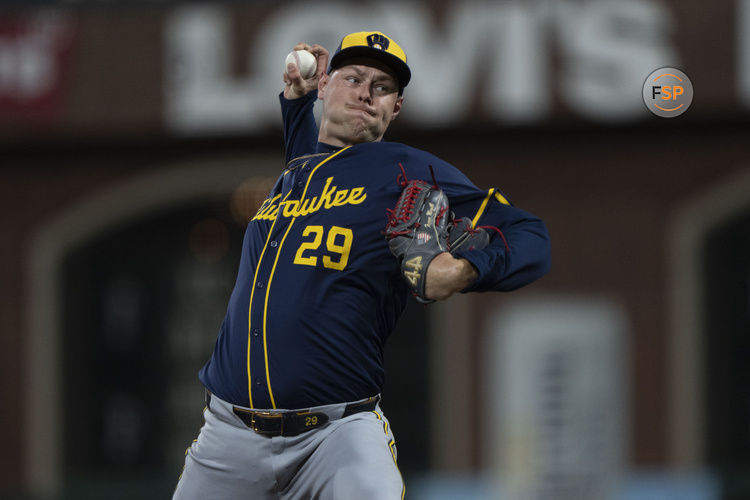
{"x": 384, "y": 89}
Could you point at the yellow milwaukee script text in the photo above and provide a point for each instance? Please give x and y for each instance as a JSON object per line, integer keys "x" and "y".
{"x": 329, "y": 198}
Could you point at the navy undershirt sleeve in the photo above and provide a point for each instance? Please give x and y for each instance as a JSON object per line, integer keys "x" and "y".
{"x": 300, "y": 129}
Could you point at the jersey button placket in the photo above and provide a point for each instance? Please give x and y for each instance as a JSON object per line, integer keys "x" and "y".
{"x": 261, "y": 396}
{"x": 260, "y": 343}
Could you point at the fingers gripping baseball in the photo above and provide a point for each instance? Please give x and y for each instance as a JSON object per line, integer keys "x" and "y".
{"x": 295, "y": 83}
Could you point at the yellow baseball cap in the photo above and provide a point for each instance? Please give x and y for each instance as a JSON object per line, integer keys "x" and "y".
{"x": 376, "y": 45}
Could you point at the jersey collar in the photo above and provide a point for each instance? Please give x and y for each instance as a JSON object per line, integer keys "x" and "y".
{"x": 327, "y": 148}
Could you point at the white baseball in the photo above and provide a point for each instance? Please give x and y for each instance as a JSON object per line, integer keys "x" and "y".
{"x": 304, "y": 60}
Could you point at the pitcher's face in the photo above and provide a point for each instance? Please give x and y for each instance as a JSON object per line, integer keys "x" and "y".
{"x": 361, "y": 99}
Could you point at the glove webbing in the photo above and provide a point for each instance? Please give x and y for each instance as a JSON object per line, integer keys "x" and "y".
{"x": 412, "y": 190}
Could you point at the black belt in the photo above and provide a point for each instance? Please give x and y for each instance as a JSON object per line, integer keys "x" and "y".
{"x": 292, "y": 423}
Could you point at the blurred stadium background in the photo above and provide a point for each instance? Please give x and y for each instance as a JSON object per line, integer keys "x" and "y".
{"x": 137, "y": 138}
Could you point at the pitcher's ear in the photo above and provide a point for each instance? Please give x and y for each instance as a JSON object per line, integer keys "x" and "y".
{"x": 323, "y": 84}
{"x": 397, "y": 107}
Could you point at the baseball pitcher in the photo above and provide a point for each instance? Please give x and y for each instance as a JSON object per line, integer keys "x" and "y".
{"x": 353, "y": 226}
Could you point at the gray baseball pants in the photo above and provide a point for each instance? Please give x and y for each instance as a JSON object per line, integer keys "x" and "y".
{"x": 347, "y": 458}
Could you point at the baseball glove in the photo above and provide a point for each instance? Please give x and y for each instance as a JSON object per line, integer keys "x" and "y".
{"x": 417, "y": 230}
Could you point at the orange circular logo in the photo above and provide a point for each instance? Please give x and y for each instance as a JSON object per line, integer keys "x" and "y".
{"x": 667, "y": 92}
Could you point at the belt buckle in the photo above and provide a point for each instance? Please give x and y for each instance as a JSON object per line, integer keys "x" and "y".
{"x": 266, "y": 414}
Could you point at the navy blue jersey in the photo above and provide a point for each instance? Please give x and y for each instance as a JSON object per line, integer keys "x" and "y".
{"x": 318, "y": 291}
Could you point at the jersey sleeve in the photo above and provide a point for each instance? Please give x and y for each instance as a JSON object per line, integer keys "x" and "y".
{"x": 300, "y": 129}
{"x": 519, "y": 249}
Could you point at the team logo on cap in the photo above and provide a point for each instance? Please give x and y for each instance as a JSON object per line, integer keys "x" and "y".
{"x": 378, "y": 41}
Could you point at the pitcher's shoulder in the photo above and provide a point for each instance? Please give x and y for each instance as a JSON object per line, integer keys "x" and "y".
{"x": 395, "y": 150}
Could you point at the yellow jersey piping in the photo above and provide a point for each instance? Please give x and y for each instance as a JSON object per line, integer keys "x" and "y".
{"x": 502, "y": 199}
{"x": 482, "y": 207}
{"x": 273, "y": 270}
{"x": 265, "y": 313}
{"x": 250, "y": 309}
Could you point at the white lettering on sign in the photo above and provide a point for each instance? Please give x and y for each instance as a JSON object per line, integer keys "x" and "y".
{"x": 607, "y": 49}
{"x": 743, "y": 50}
{"x": 201, "y": 95}
{"x": 503, "y": 51}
